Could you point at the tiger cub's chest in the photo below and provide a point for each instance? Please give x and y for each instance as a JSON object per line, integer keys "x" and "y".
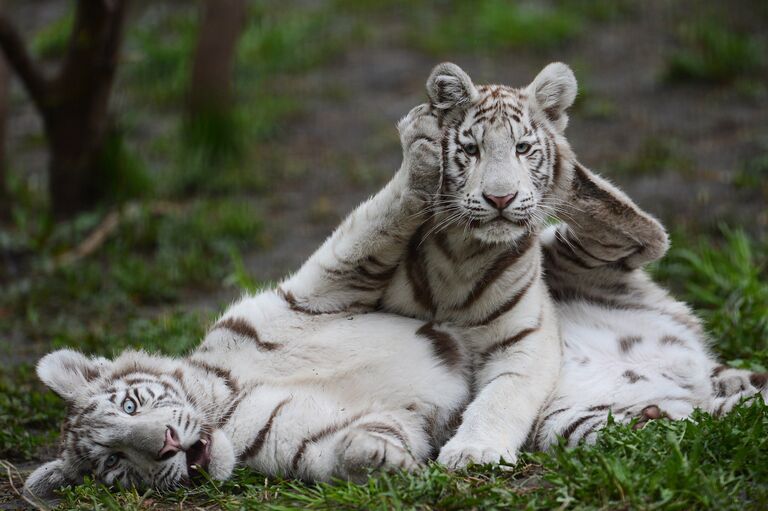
{"x": 467, "y": 284}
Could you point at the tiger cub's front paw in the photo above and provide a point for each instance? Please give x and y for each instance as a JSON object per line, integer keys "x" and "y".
{"x": 456, "y": 455}
{"x": 420, "y": 138}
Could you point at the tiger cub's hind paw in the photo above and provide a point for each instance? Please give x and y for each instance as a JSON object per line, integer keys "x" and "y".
{"x": 361, "y": 451}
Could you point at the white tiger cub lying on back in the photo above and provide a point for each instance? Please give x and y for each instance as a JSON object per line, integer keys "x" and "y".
{"x": 279, "y": 388}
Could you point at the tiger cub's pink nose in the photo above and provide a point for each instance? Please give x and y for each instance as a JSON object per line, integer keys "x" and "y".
{"x": 171, "y": 445}
{"x": 500, "y": 202}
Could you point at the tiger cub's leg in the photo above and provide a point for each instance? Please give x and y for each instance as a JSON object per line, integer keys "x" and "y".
{"x": 354, "y": 265}
{"x": 349, "y": 448}
{"x": 603, "y": 229}
{"x": 311, "y": 435}
{"x": 581, "y": 424}
{"x": 512, "y": 380}
{"x": 575, "y": 421}
{"x": 575, "y": 424}
{"x": 382, "y": 441}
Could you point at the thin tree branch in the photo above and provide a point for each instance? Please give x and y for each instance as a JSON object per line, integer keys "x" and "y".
{"x": 19, "y": 59}
{"x": 109, "y": 225}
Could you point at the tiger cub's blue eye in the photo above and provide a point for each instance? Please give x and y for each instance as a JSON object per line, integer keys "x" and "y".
{"x": 129, "y": 406}
{"x": 470, "y": 149}
{"x": 112, "y": 460}
{"x": 522, "y": 148}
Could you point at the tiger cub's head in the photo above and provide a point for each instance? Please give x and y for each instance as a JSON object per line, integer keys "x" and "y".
{"x": 130, "y": 422}
{"x": 501, "y": 149}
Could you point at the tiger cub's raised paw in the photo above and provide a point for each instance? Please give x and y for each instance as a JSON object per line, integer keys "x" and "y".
{"x": 420, "y": 138}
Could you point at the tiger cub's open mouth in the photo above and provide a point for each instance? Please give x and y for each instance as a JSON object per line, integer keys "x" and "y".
{"x": 199, "y": 456}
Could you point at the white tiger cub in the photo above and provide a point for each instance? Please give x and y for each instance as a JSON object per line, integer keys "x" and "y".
{"x": 473, "y": 258}
{"x": 279, "y": 388}
{"x": 631, "y": 349}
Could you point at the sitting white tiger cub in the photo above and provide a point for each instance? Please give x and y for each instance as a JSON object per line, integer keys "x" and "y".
{"x": 473, "y": 258}
{"x": 273, "y": 386}
{"x": 630, "y": 349}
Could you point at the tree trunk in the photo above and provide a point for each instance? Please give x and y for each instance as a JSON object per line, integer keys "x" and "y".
{"x": 74, "y": 105}
{"x": 5, "y": 198}
{"x": 76, "y": 117}
{"x": 222, "y": 23}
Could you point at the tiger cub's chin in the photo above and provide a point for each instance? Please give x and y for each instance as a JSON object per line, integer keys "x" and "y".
{"x": 222, "y": 456}
{"x": 499, "y": 231}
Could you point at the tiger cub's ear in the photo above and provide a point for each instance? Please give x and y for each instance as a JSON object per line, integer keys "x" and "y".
{"x": 554, "y": 89}
{"x": 68, "y": 372}
{"x": 449, "y": 86}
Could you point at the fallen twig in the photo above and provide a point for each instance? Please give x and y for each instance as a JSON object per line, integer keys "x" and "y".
{"x": 108, "y": 225}
{"x": 11, "y": 472}
{"x": 10, "y": 468}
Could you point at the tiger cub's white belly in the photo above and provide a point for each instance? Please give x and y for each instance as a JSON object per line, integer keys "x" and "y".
{"x": 372, "y": 357}
{"x": 626, "y": 356}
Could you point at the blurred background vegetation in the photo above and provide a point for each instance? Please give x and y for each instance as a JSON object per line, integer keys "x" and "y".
{"x": 160, "y": 157}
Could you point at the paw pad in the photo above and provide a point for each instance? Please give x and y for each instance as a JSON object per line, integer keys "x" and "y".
{"x": 650, "y": 412}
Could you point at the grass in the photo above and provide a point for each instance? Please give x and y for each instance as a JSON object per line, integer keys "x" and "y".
{"x": 711, "y": 52}
{"x": 698, "y": 464}
{"x": 127, "y": 294}
{"x": 727, "y": 284}
{"x": 655, "y": 155}
{"x": 280, "y": 41}
{"x": 444, "y": 27}
{"x": 29, "y": 414}
{"x": 496, "y": 25}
